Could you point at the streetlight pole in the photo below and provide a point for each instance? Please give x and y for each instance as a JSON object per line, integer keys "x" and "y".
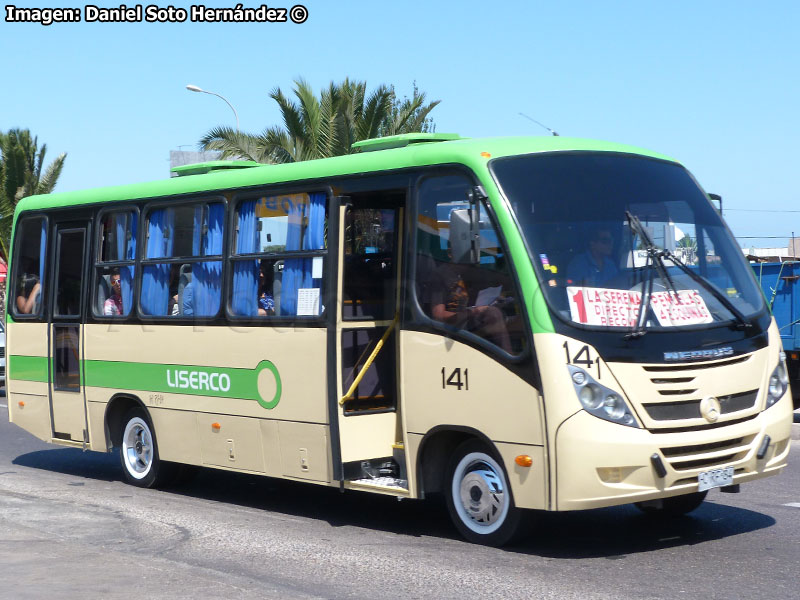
{"x": 194, "y": 88}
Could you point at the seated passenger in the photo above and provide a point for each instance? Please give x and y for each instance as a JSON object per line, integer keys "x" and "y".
{"x": 266, "y": 303}
{"x": 29, "y": 293}
{"x": 113, "y": 304}
{"x": 450, "y": 303}
{"x": 594, "y": 267}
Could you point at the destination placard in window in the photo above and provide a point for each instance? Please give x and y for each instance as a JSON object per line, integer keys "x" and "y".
{"x": 620, "y": 308}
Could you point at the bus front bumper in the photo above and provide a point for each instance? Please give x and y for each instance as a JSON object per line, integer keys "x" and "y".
{"x": 604, "y": 464}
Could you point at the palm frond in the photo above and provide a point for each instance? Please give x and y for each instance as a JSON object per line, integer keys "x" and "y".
{"x": 232, "y": 144}
{"x": 48, "y": 181}
{"x": 376, "y": 109}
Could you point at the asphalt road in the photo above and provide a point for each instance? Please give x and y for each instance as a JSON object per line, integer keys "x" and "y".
{"x": 69, "y": 528}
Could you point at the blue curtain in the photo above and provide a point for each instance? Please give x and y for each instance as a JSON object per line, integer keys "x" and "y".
{"x": 245, "y": 272}
{"x": 207, "y": 276}
{"x": 155, "y": 278}
{"x": 297, "y": 271}
{"x": 126, "y": 251}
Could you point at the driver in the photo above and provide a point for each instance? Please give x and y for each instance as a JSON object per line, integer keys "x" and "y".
{"x": 594, "y": 267}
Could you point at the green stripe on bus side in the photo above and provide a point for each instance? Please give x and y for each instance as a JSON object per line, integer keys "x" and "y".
{"x": 195, "y": 380}
{"x": 27, "y": 368}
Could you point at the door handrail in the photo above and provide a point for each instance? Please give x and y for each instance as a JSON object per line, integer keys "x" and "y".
{"x": 368, "y": 363}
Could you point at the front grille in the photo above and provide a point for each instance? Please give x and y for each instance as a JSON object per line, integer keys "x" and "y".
{"x": 723, "y": 452}
{"x": 690, "y": 409}
{"x": 2, "y": 351}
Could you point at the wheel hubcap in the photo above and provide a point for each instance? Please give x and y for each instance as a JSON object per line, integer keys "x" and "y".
{"x": 482, "y": 495}
{"x": 137, "y": 447}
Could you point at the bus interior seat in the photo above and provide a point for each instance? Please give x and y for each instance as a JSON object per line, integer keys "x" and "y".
{"x": 103, "y": 292}
{"x": 183, "y": 281}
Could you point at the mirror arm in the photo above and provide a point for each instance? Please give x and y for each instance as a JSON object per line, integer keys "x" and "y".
{"x": 475, "y": 195}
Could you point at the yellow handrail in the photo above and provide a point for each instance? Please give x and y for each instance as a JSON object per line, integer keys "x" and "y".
{"x": 349, "y": 395}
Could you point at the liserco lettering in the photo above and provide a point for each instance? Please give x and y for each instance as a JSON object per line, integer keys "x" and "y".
{"x": 198, "y": 380}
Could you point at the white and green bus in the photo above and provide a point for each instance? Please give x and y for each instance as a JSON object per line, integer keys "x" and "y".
{"x": 519, "y": 324}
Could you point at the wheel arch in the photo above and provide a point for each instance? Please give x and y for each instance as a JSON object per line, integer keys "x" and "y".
{"x": 435, "y": 450}
{"x": 117, "y": 407}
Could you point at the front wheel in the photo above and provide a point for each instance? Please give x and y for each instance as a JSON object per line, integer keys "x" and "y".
{"x": 674, "y": 506}
{"x": 138, "y": 452}
{"x": 479, "y": 498}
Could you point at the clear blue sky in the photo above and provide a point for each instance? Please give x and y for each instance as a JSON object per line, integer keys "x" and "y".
{"x": 714, "y": 83}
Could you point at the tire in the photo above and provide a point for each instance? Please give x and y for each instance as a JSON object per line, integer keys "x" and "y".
{"x": 674, "y": 506}
{"x": 479, "y": 498}
{"x": 139, "y": 451}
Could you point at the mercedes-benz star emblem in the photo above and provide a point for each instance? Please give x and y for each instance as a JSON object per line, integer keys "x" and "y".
{"x": 710, "y": 409}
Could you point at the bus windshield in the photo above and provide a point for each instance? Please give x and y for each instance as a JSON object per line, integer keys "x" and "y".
{"x": 622, "y": 241}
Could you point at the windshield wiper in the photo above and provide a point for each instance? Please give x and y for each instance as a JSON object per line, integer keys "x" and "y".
{"x": 655, "y": 260}
{"x": 656, "y": 256}
{"x": 743, "y": 323}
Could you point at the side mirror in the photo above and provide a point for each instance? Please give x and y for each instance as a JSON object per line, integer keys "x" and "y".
{"x": 461, "y": 246}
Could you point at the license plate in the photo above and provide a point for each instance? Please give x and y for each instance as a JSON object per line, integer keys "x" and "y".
{"x": 714, "y": 479}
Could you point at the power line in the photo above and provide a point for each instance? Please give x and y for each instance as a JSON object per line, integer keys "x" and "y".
{"x": 761, "y": 210}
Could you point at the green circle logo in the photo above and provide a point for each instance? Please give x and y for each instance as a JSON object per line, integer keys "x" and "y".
{"x": 269, "y": 384}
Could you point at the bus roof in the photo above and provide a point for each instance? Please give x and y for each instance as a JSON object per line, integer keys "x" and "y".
{"x": 440, "y": 149}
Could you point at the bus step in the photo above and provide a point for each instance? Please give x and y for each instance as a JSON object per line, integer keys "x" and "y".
{"x": 393, "y": 483}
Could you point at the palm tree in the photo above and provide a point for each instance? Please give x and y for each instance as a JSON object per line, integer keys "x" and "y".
{"x": 22, "y": 173}
{"x": 326, "y": 126}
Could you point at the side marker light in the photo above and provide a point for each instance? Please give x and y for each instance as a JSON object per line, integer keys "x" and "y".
{"x": 523, "y": 460}
{"x": 21, "y": 404}
{"x": 216, "y": 426}
{"x": 486, "y": 155}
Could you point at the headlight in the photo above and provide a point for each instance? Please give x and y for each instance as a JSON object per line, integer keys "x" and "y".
{"x": 778, "y": 384}
{"x": 591, "y": 396}
{"x": 599, "y": 400}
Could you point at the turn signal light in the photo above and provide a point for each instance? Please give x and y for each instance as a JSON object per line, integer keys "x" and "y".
{"x": 523, "y": 460}
{"x": 486, "y": 155}
{"x": 21, "y": 404}
{"x": 216, "y": 426}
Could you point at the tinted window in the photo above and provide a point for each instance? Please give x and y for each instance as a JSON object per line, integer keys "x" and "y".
{"x": 479, "y": 298}
{"x": 269, "y": 278}
{"x": 29, "y": 267}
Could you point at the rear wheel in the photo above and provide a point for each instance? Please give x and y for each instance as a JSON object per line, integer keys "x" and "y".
{"x": 138, "y": 451}
{"x": 674, "y": 506}
{"x": 479, "y": 498}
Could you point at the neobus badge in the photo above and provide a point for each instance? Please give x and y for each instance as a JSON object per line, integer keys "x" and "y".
{"x": 699, "y": 354}
{"x": 198, "y": 380}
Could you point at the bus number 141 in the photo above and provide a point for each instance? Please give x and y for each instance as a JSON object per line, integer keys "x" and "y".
{"x": 455, "y": 379}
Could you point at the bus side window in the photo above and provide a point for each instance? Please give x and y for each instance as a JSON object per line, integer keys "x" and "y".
{"x": 191, "y": 288}
{"x": 478, "y": 298}
{"x": 115, "y": 269}
{"x": 267, "y": 279}
{"x": 29, "y": 267}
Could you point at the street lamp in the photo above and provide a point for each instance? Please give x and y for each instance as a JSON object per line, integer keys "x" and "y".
{"x": 194, "y": 88}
